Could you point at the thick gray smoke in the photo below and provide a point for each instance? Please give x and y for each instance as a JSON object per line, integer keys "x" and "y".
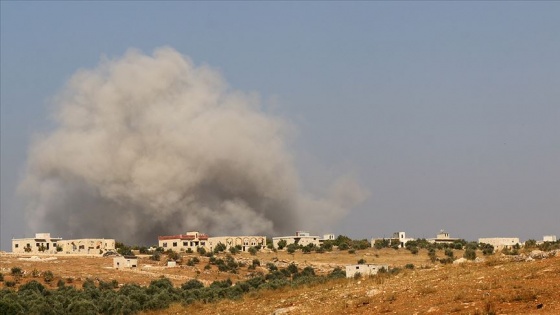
{"x": 154, "y": 145}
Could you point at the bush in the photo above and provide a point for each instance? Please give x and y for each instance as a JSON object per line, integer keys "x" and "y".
{"x": 449, "y": 253}
{"x": 282, "y": 244}
{"x": 409, "y": 266}
{"x": 192, "y": 284}
{"x": 343, "y": 246}
{"x": 48, "y": 276}
{"x": 470, "y": 254}
{"x": 337, "y": 273}
{"x": 10, "y": 284}
{"x": 432, "y": 254}
{"x": 219, "y": 248}
{"x": 234, "y": 250}
{"x": 361, "y": 261}
{"x": 1, "y": 277}
{"x": 201, "y": 251}
{"x": 351, "y": 251}
{"x": 291, "y": 248}
{"x": 156, "y": 256}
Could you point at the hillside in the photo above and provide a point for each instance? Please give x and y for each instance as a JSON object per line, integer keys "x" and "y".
{"x": 498, "y": 285}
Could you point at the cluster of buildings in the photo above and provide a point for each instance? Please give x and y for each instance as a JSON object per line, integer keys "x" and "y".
{"x": 193, "y": 240}
{"x": 443, "y": 237}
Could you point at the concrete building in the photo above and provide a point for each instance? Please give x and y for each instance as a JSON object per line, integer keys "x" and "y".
{"x": 364, "y": 270}
{"x": 549, "y": 238}
{"x": 41, "y": 243}
{"x": 121, "y": 262}
{"x": 44, "y": 243}
{"x": 398, "y": 237}
{"x": 328, "y": 237}
{"x": 245, "y": 242}
{"x": 302, "y": 238}
{"x": 95, "y": 246}
{"x": 443, "y": 237}
{"x": 500, "y": 243}
{"x": 182, "y": 242}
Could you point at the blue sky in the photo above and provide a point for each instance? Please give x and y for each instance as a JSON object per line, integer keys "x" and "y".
{"x": 447, "y": 113}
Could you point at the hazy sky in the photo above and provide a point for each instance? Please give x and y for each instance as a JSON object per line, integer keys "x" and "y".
{"x": 447, "y": 113}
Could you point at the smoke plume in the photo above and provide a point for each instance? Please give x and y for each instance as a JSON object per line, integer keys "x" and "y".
{"x": 155, "y": 145}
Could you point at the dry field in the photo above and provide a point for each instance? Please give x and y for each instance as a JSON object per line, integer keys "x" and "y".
{"x": 495, "y": 286}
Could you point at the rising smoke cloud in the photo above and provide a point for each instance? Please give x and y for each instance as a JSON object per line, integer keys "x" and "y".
{"x": 154, "y": 145}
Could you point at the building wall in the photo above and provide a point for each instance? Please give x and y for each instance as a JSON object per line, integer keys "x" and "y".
{"x": 179, "y": 243}
{"x": 92, "y": 246}
{"x": 42, "y": 243}
{"x": 500, "y": 242}
{"x": 549, "y": 238}
{"x": 125, "y": 262}
{"x": 300, "y": 240}
{"x": 245, "y": 241}
{"x": 364, "y": 270}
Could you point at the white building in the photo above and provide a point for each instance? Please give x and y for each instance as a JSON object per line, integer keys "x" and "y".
{"x": 182, "y": 242}
{"x": 93, "y": 246}
{"x": 500, "y": 243}
{"x": 42, "y": 243}
{"x": 398, "y": 237}
{"x": 121, "y": 262}
{"x": 364, "y": 270}
{"x": 302, "y": 238}
{"x": 245, "y": 242}
{"x": 549, "y": 238}
{"x": 328, "y": 237}
{"x": 443, "y": 237}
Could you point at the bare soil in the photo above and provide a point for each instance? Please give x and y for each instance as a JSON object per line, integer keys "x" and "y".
{"x": 496, "y": 286}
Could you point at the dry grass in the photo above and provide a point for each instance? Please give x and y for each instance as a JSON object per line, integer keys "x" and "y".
{"x": 493, "y": 287}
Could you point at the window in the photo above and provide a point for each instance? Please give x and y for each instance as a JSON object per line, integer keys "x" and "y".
{"x": 17, "y": 245}
{"x": 202, "y": 243}
{"x": 164, "y": 244}
{"x": 82, "y": 247}
{"x": 37, "y": 244}
{"x": 185, "y": 243}
{"x": 357, "y": 267}
{"x": 174, "y": 244}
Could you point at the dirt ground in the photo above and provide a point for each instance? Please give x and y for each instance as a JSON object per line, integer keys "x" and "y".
{"x": 495, "y": 286}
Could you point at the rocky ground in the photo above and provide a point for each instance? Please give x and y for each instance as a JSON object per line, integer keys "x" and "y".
{"x": 522, "y": 284}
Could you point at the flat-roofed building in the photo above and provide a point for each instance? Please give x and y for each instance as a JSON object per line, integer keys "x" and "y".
{"x": 364, "y": 269}
{"x": 182, "y": 242}
{"x": 244, "y": 242}
{"x": 500, "y": 243}
{"x": 41, "y": 243}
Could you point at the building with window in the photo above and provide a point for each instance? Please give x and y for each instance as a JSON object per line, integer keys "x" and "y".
{"x": 121, "y": 262}
{"x": 302, "y": 238}
{"x": 44, "y": 243}
{"x": 92, "y": 246}
{"x": 244, "y": 242}
{"x": 182, "y": 242}
{"x": 364, "y": 270}
{"x": 41, "y": 243}
{"x": 500, "y": 243}
{"x": 442, "y": 238}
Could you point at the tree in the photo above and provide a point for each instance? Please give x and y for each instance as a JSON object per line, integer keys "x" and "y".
{"x": 361, "y": 262}
{"x": 530, "y": 244}
{"x": 470, "y": 254}
{"x": 432, "y": 254}
{"x": 219, "y": 248}
{"x": 282, "y": 244}
{"x": 233, "y": 250}
{"x": 253, "y": 251}
{"x": 291, "y": 248}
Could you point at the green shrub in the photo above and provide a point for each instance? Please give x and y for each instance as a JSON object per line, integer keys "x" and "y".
{"x": 470, "y": 254}
{"x": 361, "y": 262}
{"x": 343, "y": 246}
{"x": 449, "y": 253}
{"x": 234, "y": 250}
{"x": 409, "y": 266}
{"x": 201, "y": 251}
{"x": 282, "y": 244}
{"x": 48, "y": 276}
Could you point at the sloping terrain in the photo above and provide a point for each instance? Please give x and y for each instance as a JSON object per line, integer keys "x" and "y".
{"x": 499, "y": 285}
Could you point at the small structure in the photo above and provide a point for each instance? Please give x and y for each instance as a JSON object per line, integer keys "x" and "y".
{"x": 364, "y": 270}
{"x": 121, "y": 262}
{"x": 302, "y": 238}
{"x": 171, "y": 263}
{"x": 549, "y": 238}
{"x": 443, "y": 237}
{"x": 500, "y": 243}
{"x": 328, "y": 237}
